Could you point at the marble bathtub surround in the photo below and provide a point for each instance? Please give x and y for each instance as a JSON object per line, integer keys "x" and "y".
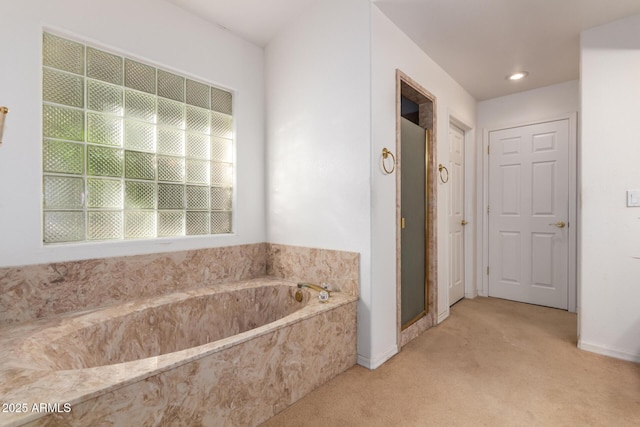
{"x": 157, "y": 326}
{"x": 339, "y": 269}
{"x": 205, "y": 377}
{"x": 97, "y": 334}
{"x": 39, "y": 291}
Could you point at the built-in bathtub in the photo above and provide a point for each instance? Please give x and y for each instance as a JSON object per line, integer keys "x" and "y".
{"x": 233, "y": 354}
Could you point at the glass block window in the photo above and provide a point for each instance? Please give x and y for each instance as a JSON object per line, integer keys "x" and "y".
{"x": 131, "y": 151}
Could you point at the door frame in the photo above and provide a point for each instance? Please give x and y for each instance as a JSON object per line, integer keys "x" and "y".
{"x": 483, "y": 243}
{"x": 470, "y": 290}
{"x": 404, "y": 83}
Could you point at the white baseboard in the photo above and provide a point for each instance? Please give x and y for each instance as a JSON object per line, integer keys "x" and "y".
{"x": 376, "y": 362}
{"x": 442, "y": 316}
{"x": 594, "y": 348}
{"x": 471, "y": 295}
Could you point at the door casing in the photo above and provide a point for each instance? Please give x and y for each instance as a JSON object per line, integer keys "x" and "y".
{"x": 457, "y": 177}
{"x": 483, "y": 243}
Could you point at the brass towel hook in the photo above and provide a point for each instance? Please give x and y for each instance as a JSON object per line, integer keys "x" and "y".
{"x": 3, "y": 112}
{"x": 386, "y": 153}
{"x": 441, "y": 167}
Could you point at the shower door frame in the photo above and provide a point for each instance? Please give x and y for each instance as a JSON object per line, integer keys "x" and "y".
{"x": 409, "y": 88}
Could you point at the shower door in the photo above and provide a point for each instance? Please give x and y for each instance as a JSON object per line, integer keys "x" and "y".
{"x": 413, "y": 222}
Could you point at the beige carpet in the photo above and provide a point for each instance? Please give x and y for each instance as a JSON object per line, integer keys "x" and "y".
{"x": 491, "y": 363}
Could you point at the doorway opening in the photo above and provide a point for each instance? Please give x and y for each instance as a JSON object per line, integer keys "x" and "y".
{"x": 416, "y": 208}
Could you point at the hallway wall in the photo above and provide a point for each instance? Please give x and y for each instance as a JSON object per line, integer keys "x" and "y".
{"x": 330, "y": 110}
{"x": 610, "y": 267}
{"x": 391, "y": 50}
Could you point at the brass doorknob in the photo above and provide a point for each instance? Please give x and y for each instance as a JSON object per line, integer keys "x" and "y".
{"x": 463, "y": 222}
{"x": 559, "y": 224}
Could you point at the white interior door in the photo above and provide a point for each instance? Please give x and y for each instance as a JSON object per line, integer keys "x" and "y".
{"x": 456, "y": 214}
{"x": 528, "y": 213}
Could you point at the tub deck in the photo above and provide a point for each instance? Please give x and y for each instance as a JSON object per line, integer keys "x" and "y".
{"x": 32, "y": 380}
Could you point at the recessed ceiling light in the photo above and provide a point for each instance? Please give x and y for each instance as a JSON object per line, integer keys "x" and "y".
{"x": 518, "y": 76}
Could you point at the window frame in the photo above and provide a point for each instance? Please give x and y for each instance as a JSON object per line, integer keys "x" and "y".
{"x": 87, "y": 210}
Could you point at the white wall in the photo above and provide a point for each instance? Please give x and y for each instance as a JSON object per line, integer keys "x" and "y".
{"x": 330, "y": 110}
{"x": 155, "y": 31}
{"x": 391, "y": 50}
{"x": 529, "y": 106}
{"x": 550, "y": 102}
{"x": 318, "y": 136}
{"x": 610, "y": 275}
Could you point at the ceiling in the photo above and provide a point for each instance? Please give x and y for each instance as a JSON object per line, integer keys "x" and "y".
{"x": 478, "y": 42}
{"x": 257, "y": 21}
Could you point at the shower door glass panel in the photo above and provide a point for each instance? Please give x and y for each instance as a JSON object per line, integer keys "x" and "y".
{"x": 413, "y": 229}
